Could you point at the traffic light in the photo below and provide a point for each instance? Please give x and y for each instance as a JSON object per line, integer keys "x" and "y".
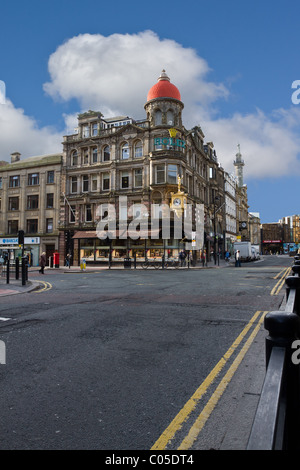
{"x": 21, "y": 237}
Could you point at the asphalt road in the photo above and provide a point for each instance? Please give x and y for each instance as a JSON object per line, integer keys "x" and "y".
{"x": 106, "y": 360}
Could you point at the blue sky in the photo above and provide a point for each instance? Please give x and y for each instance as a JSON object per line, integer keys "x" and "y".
{"x": 234, "y": 63}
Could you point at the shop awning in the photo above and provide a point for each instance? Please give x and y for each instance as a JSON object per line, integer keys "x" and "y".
{"x": 85, "y": 234}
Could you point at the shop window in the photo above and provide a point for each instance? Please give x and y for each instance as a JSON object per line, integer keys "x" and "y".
{"x": 33, "y": 179}
{"x": 32, "y": 225}
{"x": 13, "y": 227}
{"x": 33, "y": 201}
{"x": 14, "y": 181}
{"x": 13, "y": 204}
{"x": 49, "y": 225}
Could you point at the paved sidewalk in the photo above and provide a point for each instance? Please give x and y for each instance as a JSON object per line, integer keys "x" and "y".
{"x": 15, "y": 287}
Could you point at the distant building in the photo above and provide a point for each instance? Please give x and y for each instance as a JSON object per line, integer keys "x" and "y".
{"x": 274, "y": 236}
{"x": 254, "y": 229}
{"x": 29, "y": 201}
{"x": 293, "y": 224}
{"x": 230, "y": 211}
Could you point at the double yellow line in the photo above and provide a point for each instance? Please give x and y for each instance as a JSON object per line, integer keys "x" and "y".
{"x": 184, "y": 414}
{"x": 278, "y": 286}
{"x": 47, "y": 286}
{"x": 186, "y": 411}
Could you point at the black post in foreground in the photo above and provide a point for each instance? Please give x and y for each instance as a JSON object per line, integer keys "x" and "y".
{"x": 23, "y": 271}
{"x": 7, "y": 271}
{"x": 17, "y": 268}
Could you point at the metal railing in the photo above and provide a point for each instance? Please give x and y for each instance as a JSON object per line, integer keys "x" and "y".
{"x": 276, "y": 423}
{"x": 15, "y": 270}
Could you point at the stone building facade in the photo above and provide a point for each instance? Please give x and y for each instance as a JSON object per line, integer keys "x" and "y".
{"x": 140, "y": 161}
{"x": 29, "y": 201}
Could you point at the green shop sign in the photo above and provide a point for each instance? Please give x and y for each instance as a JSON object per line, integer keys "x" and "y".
{"x": 169, "y": 141}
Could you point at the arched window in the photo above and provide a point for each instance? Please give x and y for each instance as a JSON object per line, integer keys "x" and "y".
{"x": 85, "y": 154}
{"x": 138, "y": 149}
{"x": 95, "y": 155}
{"x": 170, "y": 118}
{"x": 106, "y": 153}
{"x": 125, "y": 151}
{"x": 158, "y": 117}
{"x": 74, "y": 158}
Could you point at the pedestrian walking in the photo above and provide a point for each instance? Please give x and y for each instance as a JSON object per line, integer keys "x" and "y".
{"x": 42, "y": 262}
{"x": 68, "y": 260}
{"x": 182, "y": 258}
{"x": 237, "y": 258}
{"x": 227, "y": 256}
{"x": 203, "y": 258}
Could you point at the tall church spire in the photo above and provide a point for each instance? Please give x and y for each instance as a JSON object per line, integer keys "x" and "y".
{"x": 239, "y": 163}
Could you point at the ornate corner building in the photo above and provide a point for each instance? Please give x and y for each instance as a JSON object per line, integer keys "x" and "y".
{"x": 109, "y": 159}
{"x": 152, "y": 169}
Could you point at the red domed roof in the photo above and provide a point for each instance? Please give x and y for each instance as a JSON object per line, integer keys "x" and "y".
{"x": 163, "y": 89}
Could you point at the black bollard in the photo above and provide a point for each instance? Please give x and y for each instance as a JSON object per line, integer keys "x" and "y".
{"x": 7, "y": 271}
{"x": 23, "y": 271}
{"x": 17, "y": 268}
{"x": 293, "y": 282}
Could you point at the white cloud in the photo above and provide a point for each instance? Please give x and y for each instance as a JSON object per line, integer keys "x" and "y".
{"x": 116, "y": 72}
{"x": 113, "y": 75}
{"x": 270, "y": 145}
{"x": 20, "y": 133}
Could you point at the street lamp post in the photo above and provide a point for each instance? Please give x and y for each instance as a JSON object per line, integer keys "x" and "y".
{"x": 215, "y": 235}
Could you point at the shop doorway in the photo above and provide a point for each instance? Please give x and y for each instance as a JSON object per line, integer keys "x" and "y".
{"x": 50, "y": 249}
